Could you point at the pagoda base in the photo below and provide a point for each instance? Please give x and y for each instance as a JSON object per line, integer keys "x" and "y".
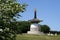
{"x": 35, "y": 32}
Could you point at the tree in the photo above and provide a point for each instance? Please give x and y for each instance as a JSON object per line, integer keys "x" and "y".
{"x": 22, "y": 27}
{"x": 45, "y": 28}
{"x": 9, "y": 9}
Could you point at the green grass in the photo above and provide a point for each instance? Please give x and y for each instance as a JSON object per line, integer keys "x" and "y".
{"x": 37, "y": 37}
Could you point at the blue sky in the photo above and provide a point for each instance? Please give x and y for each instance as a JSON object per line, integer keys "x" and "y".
{"x": 47, "y": 10}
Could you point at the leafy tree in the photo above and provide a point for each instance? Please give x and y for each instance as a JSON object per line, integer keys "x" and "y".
{"x": 45, "y": 28}
{"x": 22, "y": 27}
{"x": 8, "y": 9}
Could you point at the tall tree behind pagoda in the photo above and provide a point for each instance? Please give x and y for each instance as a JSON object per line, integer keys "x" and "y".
{"x": 9, "y": 9}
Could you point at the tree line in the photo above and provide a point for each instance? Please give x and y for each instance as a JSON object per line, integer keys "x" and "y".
{"x": 24, "y": 26}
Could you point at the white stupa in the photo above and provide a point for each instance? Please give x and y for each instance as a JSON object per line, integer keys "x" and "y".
{"x": 34, "y": 27}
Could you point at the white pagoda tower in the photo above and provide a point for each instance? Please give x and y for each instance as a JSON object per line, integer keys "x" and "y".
{"x": 34, "y": 27}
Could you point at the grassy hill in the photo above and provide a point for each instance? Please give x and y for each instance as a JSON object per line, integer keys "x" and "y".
{"x": 37, "y": 37}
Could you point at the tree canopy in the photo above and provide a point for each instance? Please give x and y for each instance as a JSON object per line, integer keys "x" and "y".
{"x": 45, "y": 28}
{"x": 9, "y": 9}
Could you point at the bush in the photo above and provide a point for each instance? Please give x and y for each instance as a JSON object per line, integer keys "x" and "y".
{"x": 45, "y": 28}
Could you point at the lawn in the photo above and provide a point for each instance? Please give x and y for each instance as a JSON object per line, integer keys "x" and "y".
{"x": 37, "y": 37}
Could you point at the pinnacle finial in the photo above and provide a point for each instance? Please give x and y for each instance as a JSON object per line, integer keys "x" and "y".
{"x": 35, "y": 14}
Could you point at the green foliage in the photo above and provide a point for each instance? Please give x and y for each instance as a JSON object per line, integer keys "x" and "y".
{"x": 22, "y": 26}
{"x": 7, "y": 35}
{"x": 8, "y": 9}
{"x": 45, "y": 28}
